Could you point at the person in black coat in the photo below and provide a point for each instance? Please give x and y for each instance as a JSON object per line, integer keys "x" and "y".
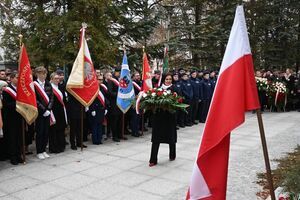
{"x": 196, "y": 85}
{"x": 207, "y": 89}
{"x": 164, "y": 128}
{"x": 187, "y": 91}
{"x": 136, "y": 119}
{"x": 115, "y": 119}
{"x": 57, "y": 131}
{"x": 12, "y": 121}
{"x": 289, "y": 80}
{"x": 178, "y": 89}
{"x": 95, "y": 117}
{"x": 75, "y": 112}
{"x": 44, "y": 99}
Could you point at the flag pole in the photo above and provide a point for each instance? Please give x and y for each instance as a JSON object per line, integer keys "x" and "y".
{"x": 142, "y": 113}
{"x": 23, "y": 121}
{"x": 266, "y": 155}
{"x": 123, "y": 115}
{"x": 81, "y": 127}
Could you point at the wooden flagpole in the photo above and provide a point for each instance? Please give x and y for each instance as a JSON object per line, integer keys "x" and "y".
{"x": 23, "y": 120}
{"x": 81, "y": 127}
{"x": 266, "y": 155}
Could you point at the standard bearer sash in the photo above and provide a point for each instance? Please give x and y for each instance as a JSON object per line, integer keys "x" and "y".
{"x": 101, "y": 98}
{"x": 45, "y": 97}
{"x": 103, "y": 86}
{"x": 60, "y": 98}
{"x": 115, "y": 81}
{"x": 136, "y": 86}
{"x": 11, "y": 92}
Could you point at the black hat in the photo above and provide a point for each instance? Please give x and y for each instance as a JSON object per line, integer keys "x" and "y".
{"x": 59, "y": 72}
{"x": 193, "y": 71}
{"x": 117, "y": 69}
{"x": 206, "y": 72}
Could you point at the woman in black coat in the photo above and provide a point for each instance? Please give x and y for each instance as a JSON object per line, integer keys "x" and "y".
{"x": 164, "y": 128}
{"x": 57, "y": 130}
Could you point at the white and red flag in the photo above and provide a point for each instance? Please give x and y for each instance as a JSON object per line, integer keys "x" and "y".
{"x": 235, "y": 93}
{"x": 82, "y": 83}
{"x": 25, "y": 97}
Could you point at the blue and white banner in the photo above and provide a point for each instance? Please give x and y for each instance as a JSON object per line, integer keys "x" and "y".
{"x": 126, "y": 91}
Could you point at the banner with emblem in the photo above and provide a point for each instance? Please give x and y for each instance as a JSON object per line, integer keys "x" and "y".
{"x": 82, "y": 83}
{"x": 126, "y": 91}
{"x": 25, "y": 98}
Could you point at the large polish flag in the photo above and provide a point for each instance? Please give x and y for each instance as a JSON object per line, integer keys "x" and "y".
{"x": 82, "y": 83}
{"x": 235, "y": 93}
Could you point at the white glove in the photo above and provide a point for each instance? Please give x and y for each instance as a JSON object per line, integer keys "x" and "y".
{"x": 47, "y": 113}
{"x": 105, "y": 112}
{"x": 86, "y": 109}
{"x": 93, "y": 113}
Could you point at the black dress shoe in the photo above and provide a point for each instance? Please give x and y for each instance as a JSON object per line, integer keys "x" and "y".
{"x": 73, "y": 147}
{"x": 182, "y": 126}
{"x": 14, "y": 162}
{"x": 116, "y": 140}
{"x": 124, "y": 138}
{"x": 83, "y": 146}
{"x": 195, "y": 122}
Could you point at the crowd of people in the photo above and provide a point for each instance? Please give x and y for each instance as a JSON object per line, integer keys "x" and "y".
{"x": 59, "y": 111}
{"x": 291, "y": 92}
{"x": 103, "y": 120}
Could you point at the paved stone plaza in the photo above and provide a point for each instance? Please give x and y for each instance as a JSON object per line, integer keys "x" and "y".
{"x": 120, "y": 170}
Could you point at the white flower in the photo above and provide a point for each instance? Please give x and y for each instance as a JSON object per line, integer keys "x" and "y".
{"x": 168, "y": 91}
{"x": 153, "y": 94}
{"x": 165, "y": 93}
{"x": 159, "y": 89}
{"x": 144, "y": 95}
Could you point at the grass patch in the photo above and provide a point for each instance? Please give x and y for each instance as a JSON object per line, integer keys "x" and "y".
{"x": 287, "y": 174}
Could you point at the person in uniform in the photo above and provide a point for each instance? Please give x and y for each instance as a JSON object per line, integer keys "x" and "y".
{"x": 178, "y": 89}
{"x": 196, "y": 85}
{"x": 57, "y": 131}
{"x": 135, "y": 119}
{"x": 187, "y": 92}
{"x": 95, "y": 114}
{"x": 164, "y": 128}
{"x": 207, "y": 89}
{"x": 12, "y": 121}
{"x": 115, "y": 119}
{"x": 44, "y": 99}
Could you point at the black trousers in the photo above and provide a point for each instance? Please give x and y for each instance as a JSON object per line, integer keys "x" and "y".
{"x": 75, "y": 131}
{"x": 204, "y": 110}
{"x": 116, "y": 126}
{"x": 155, "y": 148}
{"x": 194, "y": 109}
{"x": 56, "y": 140}
{"x": 14, "y": 136}
{"x": 42, "y": 133}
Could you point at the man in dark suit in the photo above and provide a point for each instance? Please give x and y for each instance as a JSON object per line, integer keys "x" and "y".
{"x": 115, "y": 112}
{"x": 75, "y": 110}
{"x": 44, "y": 99}
{"x": 12, "y": 121}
